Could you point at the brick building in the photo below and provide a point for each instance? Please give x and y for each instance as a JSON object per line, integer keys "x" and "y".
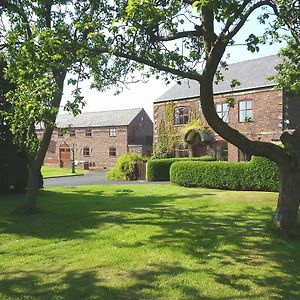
{"x": 260, "y": 112}
{"x": 99, "y": 138}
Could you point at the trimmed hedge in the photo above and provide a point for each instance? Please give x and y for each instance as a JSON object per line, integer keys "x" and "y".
{"x": 260, "y": 174}
{"x": 159, "y": 169}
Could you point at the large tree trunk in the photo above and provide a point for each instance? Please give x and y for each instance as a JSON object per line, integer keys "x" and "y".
{"x": 30, "y": 205}
{"x": 35, "y": 164}
{"x": 288, "y": 200}
{"x": 34, "y": 174}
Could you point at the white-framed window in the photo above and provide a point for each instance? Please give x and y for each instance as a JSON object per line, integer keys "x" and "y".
{"x": 245, "y": 111}
{"x": 181, "y": 115}
{"x": 222, "y": 111}
{"x": 113, "y": 131}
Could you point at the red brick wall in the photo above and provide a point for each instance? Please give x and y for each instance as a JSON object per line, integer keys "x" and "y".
{"x": 100, "y": 142}
{"x": 99, "y": 145}
{"x": 267, "y": 115}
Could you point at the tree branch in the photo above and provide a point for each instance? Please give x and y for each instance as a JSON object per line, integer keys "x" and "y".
{"x": 184, "y": 74}
{"x": 178, "y": 35}
{"x": 18, "y": 10}
{"x": 244, "y": 18}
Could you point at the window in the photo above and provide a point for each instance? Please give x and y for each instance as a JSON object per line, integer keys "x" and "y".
{"x": 181, "y": 151}
{"x": 221, "y": 151}
{"x": 222, "y": 111}
{"x": 243, "y": 156}
{"x": 112, "y": 152}
{"x": 86, "y": 151}
{"x": 112, "y": 131}
{"x": 88, "y": 133}
{"x": 181, "y": 115}
{"x": 60, "y": 133}
{"x": 72, "y": 133}
{"x": 245, "y": 111}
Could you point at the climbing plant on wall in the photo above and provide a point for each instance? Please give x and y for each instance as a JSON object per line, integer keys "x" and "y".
{"x": 167, "y": 136}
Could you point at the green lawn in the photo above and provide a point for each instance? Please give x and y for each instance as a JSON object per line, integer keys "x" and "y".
{"x": 58, "y": 172}
{"x": 146, "y": 242}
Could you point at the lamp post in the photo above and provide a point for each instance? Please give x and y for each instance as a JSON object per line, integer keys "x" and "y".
{"x": 73, "y": 158}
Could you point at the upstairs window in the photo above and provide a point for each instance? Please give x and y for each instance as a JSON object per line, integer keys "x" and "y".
{"x": 86, "y": 151}
{"x": 88, "y": 133}
{"x": 245, "y": 111}
{"x": 112, "y": 131}
{"x": 181, "y": 115}
{"x": 222, "y": 111}
{"x": 60, "y": 133}
{"x": 112, "y": 152}
{"x": 72, "y": 133}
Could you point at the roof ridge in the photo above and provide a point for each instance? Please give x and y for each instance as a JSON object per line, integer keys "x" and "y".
{"x": 100, "y": 111}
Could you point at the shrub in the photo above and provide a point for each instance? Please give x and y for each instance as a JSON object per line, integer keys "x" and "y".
{"x": 125, "y": 167}
{"x": 259, "y": 174}
{"x": 159, "y": 169}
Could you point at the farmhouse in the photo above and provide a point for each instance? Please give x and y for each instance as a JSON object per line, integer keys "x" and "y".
{"x": 97, "y": 139}
{"x": 260, "y": 112}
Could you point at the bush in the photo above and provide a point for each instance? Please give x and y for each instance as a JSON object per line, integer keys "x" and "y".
{"x": 159, "y": 169}
{"x": 260, "y": 174}
{"x": 125, "y": 167}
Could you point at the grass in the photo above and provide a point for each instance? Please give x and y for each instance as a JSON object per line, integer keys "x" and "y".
{"x": 146, "y": 242}
{"x": 59, "y": 172}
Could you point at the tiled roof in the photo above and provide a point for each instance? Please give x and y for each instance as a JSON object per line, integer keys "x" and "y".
{"x": 98, "y": 119}
{"x": 250, "y": 73}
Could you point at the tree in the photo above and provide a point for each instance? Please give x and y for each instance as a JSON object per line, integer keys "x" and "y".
{"x": 43, "y": 41}
{"x": 13, "y": 161}
{"x": 188, "y": 39}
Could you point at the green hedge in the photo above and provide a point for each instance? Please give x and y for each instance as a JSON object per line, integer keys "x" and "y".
{"x": 259, "y": 174}
{"x": 159, "y": 169}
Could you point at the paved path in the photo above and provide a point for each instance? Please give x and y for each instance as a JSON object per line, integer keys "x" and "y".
{"x": 91, "y": 178}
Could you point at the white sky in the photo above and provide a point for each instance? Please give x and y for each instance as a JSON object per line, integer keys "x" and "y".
{"x": 143, "y": 94}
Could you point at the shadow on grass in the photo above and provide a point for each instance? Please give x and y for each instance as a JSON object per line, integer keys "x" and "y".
{"x": 205, "y": 234}
{"x": 88, "y": 284}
